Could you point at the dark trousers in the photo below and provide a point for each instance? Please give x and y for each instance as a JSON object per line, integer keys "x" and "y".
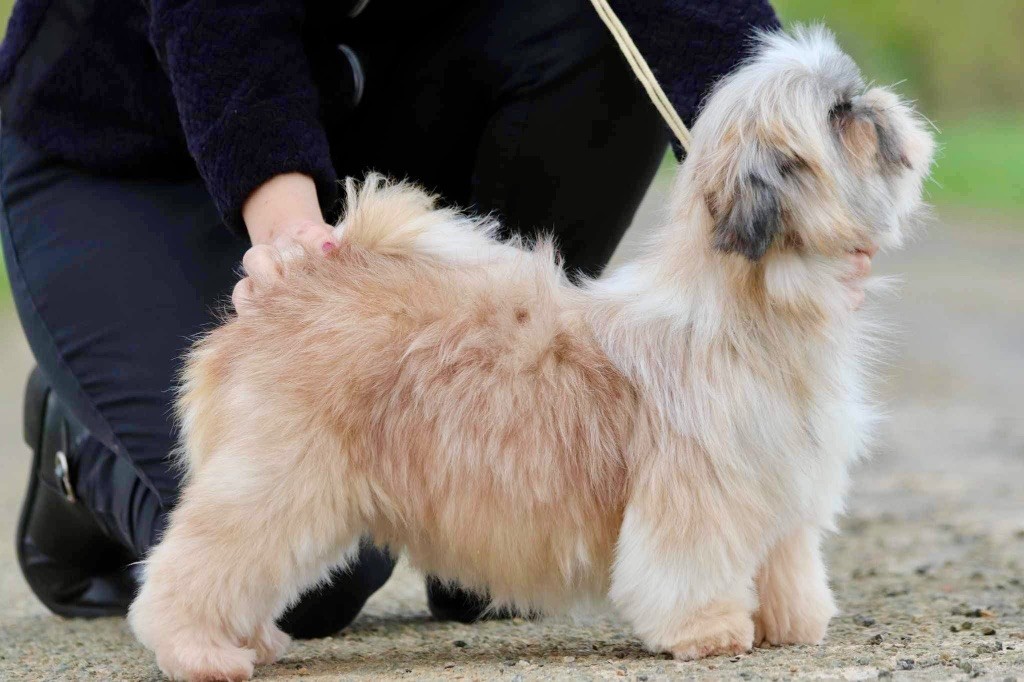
{"x": 527, "y": 112}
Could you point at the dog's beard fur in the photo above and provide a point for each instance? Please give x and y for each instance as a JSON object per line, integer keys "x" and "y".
{"x": 675, "y": 436}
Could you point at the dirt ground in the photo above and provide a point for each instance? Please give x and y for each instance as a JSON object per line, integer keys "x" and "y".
{"x": 928, "y": 568}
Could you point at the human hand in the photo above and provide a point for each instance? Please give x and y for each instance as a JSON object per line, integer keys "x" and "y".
{"x": 284, "y": 222}
{"x": 860, "y": 268}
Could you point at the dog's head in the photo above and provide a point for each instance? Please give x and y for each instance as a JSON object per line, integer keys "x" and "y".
{"x": 792, "y": 151}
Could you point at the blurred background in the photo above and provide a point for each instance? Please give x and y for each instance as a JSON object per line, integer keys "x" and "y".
{"x": 935, "y": 528}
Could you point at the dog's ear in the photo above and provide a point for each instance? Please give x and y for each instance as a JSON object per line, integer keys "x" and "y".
{"x": 748, "y": 216}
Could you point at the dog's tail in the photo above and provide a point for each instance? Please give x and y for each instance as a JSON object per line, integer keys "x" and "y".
{"x": 400, "y": 218}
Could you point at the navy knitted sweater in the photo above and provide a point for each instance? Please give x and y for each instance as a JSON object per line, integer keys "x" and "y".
{"x": 226, "y": 86}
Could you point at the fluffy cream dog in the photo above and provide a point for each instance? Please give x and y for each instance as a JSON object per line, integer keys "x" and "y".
{"x": 675, "y": 436}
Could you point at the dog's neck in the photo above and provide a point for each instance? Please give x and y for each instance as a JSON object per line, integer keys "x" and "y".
{"x": 682, "y": 272}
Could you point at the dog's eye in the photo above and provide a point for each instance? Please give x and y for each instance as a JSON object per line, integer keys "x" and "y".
{"x": 840, "y": 110}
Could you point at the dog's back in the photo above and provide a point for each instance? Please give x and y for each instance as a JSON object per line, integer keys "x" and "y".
{"x": 477, "y": 422}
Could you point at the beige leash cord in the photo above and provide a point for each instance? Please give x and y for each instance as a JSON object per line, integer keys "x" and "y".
{"x": 643, "y": 72}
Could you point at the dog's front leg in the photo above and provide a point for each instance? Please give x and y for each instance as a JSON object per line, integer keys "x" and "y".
{"x": 795, "y": 602}
{"x": 685, "y": 563}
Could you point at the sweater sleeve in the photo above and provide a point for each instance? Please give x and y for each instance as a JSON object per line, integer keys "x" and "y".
{"x": 245, "y": 94}
{"x": 690, "y": 44}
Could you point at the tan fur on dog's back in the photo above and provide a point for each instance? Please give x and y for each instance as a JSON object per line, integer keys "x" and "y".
{"x": 544, "y": 418}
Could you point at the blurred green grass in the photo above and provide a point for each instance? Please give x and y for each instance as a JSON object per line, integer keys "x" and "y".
{"x": 981, "y": 164}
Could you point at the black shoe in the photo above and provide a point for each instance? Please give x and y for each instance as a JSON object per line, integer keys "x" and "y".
{"x": 70, "y": 563}
{"x": 451, "y": 602}
{"x": 324, "y": 610}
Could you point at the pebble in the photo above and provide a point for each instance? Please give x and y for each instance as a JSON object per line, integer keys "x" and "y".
{"x": 569, "y": 659}
{"x": 877, "y": 639}
{"x": 449, "y": 665}
{"x": 884, "y": 674}
{"x": 459, "y": 643}
{"x": 988, "y": 630}
{"x": 905, "y": 664}
{"x": 864, "y": 621}
{"x": 966, "y": 625}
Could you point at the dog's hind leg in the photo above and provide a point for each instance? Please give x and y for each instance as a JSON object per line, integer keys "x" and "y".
{"x": 684, "y": 566}
{"x": 795, "y": 602}
{"x": 249, "y": 534}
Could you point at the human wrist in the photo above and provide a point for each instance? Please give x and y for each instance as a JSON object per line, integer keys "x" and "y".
{"x": 283, "y": 204}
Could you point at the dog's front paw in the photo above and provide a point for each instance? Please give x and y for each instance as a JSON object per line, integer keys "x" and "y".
{"x": 714, "y": 633}
{"x": 205, "y": 662}
{"x": 780, "y": 622}
{"x": 269, "y": 643}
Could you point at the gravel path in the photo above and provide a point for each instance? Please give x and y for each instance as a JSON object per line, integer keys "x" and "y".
{"x": 928, "y": 568}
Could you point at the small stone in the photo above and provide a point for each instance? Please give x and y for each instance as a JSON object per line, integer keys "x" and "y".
{"x": 864, "y": 621}
{"x": 569, "y": 659}
{"x": 966, "y": 666}
{"x": 460, "y": 643}
{"x": 980, "y": 613}
{"x": 510, "y": 663}
{"x": 884, "y": 674}
{"x": 966, "y": 625}
{"x": 923, "y": 569}
{"x": 988, "y": 630}
{"x": 905, "y": 664}
{"x": 523, "y": 663}
{"x": 449, "y": 665}
{"x": 876, "y": 639}
{"x": 641, "y": 678}
{"x": 954, "y": 628}
{"x": 518, "y": 621}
